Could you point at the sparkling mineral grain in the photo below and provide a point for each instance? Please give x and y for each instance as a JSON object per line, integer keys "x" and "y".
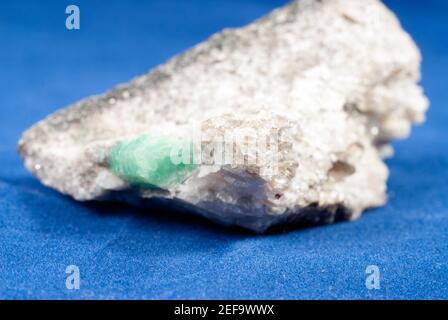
{"x": 285, "y": 120}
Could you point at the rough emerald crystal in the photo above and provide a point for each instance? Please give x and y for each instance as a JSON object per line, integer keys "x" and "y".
{"x": 149, "y": 162}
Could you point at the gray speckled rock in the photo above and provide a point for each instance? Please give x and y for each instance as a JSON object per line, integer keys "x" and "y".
{"x": 329, "y": 83}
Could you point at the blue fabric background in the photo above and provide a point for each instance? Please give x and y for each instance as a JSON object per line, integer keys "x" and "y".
{"x": 126, "y": 253}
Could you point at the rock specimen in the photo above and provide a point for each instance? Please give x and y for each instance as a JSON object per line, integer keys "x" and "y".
{"x": 284, "y": 120}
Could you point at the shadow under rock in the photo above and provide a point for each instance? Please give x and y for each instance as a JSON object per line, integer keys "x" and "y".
{"x": 163, "y": 214}
{"x": 168, "y": 212}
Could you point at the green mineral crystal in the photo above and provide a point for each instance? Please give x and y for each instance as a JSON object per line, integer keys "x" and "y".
{"x": 152, "y": 162}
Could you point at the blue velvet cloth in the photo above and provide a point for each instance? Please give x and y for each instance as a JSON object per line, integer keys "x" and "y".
{"x": 127, "y": 253}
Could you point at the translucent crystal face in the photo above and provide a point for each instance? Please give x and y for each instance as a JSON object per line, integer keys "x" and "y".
{"x": 151, "y": 161}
